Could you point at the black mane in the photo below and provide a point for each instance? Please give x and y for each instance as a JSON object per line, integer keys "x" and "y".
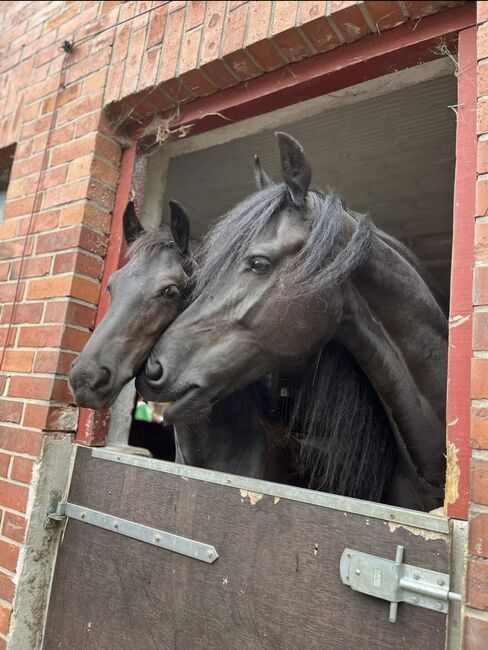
{"x": 229, "y": 239}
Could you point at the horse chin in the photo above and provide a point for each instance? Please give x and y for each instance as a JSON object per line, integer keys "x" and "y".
{"x": 189, "y": 408}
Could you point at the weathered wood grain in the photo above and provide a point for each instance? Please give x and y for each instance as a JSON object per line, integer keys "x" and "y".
{"x": 276, "y": 584}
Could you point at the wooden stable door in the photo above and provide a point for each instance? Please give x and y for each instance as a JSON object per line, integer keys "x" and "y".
{"x": 259, "y": 565}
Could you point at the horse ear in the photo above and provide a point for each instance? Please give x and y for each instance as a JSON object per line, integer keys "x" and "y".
{"x": 295, "y": 168}
{"x": 132, "y": 226}
{"x": 262, "y": 178}
{"x": 180, "y": 226}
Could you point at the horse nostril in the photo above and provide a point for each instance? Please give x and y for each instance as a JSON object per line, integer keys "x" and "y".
{"x": 154, "y": 370}
{"x": 102, "y": 379}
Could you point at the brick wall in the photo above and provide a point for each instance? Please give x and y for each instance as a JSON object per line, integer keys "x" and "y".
{"x": 69, "y": 117}
{"x": 476, "y": 628}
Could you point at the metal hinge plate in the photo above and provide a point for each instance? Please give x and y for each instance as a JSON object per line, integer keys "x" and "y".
{"x": 60, "y": 510}
{"x": 396, "y": 582}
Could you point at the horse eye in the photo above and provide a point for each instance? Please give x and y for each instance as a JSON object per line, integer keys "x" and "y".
{"x": 172, "y": 291}
{"x": 259, "y": 264}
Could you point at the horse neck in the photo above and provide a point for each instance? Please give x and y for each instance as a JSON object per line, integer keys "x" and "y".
{"x": 235, "y": 438}
{"x": 397, "y": 332}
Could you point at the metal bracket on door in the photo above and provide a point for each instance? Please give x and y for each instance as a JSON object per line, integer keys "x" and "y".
{"x": 60, "y": 510}
{"x": 397, "y": 582}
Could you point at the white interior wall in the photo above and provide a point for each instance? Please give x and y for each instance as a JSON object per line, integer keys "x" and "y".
{"x": 386, "y": 146}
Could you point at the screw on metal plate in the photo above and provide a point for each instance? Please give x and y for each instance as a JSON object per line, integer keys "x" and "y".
{"x": 394, "y": 581}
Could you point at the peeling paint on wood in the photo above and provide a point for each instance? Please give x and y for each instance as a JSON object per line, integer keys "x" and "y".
{"x": 253, "y": 497}
{"x": 453, "y": 473}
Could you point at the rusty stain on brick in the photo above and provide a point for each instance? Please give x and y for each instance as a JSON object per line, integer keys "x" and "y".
{"x": 452, "y": 474}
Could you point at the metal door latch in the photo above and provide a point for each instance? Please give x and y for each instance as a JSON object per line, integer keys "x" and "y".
{"x": 397, "y": 582}
{"x": 59, "y": 510}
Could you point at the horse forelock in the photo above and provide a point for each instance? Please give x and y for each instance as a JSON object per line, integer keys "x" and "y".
{"x": 320, "y": 261}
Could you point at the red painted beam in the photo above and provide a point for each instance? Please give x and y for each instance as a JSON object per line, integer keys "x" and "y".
{"x": 461, "y": 304}
{"x": 368, "y": 58}
{"x": 93, "y": 425}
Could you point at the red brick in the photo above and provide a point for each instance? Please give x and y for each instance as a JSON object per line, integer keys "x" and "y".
{"x": 68, "y": 193}
{"x": 422, "y": 8}
{"x": 7, "y": 587}
{"x": 477, "y": 593}
{"x": 26, "y": 167}
{"x": 348, "y": 19}
{"x": 284, "y": 17}
{"x": 4, "y": 271}
{"x": 75, "y": 339}
{"x": 108, "y": 149}
{"x": 480, "y": 331}
{"x": 316, "y": 27}
{"x": 11, "y": 332}
{"x": 55, "y": 362}
{"x": 212, "y": 32}
{"x": 32, "y": 267}
{"x": 71, "y": 10}
{"x": 257, "y": 37}
{"x": 88, "y": 64}
{"x": 11, "y": 411}
{"x": 8, "y": 291}
{"x": 480, "y": 290}
{"x": 481, "y": 241}
{"x": 14, "y": 526}
{"x": 156, "y": 28}
{"x": 52, "y": 177}
{"x": 475, "y": 629}
{"x": 6, "y": 612}
{"x": 479, "y": 485}
{"x": 19, "y": 207}
{"x": 33, "y": 128}
{"x": 49, "y": 287}
{"x": 478, "y": 535}
{"x": 22, "y": 313}
{"x": 63, "y": 418}
{"x": 8, "y": 228}
{"x": 35, "y": 415}
{"x": 31, "y": 387}
{"x": 94, "y": 82}
{"x": 385, "y": 14}
{"x": 16, "y": 248}
{"x": 80, "y": 107}
{"x": 78, "y": 262}
{"x": 4, "y": 463}
{"x": 171, "y": 46}
{"x": 479, "y": 427}
{"x": 20, "y": 440}
{"x": 72, "y": 150}
{"x": 17, "y": 361}
{"x": 199, "y": 85}
{"x": 483, "y": 79}
{"x": 481, "y": 12}
{"x": 292, "y": 45}
{"x": 40, "y": 336}
{"x": 98, "y": 121}
{"x": 78, "y": 236}
{"x": 235, "y": 31}
{"x": 134, "y": 61}
{"x": 195, "y": 14}
{"x": 121, "y": 44}
{"x": 61, "y": 392}
{"x": 79, "y": 213}
{"x": 22, "y": 469}
{"x": 70, "y": 312}
{"x": 100, "y": 193}
{"x": 13, "y": 496}
{"x": 61, "y": 98}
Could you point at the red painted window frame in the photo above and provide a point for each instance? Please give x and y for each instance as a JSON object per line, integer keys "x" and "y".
{"x": 366, "y": 59}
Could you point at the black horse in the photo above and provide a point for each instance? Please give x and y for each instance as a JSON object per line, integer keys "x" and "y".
{"x": 284, "y": 274}
{"x": 147, "y": 294}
